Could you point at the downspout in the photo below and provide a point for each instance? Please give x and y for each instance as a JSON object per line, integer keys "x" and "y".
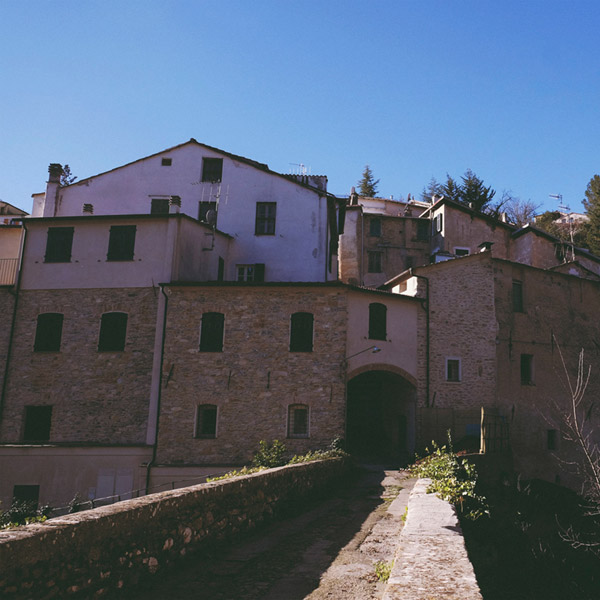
{"x": 160, "y": 376}
{"x": 362, "y": 244}
{"x": 13, "y": 322}
{"x": 427, "y": 336}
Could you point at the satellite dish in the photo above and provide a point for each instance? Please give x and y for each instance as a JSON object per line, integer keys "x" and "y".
{"x": 211, "y": 217}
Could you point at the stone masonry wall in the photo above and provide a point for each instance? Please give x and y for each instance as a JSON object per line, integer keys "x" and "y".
{"x": 82, "y": 556}
{"x": 7, "y": 301}
{"x": 255, "y": 378}
{"x": 99, "y": 397}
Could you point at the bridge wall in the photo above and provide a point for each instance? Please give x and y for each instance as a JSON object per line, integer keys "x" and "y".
{"x": 97, "y": 552}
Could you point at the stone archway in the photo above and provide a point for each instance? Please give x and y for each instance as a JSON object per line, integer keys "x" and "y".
{"x": 380, "y": 423}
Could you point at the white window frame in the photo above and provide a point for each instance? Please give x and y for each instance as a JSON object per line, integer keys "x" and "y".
{"x": 468, "y": 251}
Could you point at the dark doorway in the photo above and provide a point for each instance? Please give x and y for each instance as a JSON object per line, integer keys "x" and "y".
{"x": 380, "y": 418}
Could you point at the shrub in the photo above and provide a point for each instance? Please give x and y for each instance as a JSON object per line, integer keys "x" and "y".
{"x": 23, "y": 513}
{"x": 269, "y": 456}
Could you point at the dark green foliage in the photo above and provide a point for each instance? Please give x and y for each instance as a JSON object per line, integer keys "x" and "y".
{"x": 433, "y": 189}
{"x": 367, "y": 185}
{"x": 474, "y": 193}
{"x": 592, "y": 209}
{"x": 67, "y": 178}
{"x": 452, "y": 190}
{"x": 22, "y": 513}
{"x": 269, "y": 456}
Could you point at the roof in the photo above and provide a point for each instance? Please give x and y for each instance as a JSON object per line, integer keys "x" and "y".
{"x": 18, "y": 211}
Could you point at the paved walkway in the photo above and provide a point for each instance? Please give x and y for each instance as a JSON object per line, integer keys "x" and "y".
{"x": 328, "y": 552}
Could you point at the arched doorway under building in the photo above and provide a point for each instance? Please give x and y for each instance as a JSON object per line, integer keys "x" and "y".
{"x": 380, "y": 422}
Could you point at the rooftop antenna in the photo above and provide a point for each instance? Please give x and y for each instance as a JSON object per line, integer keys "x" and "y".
{"x": 302, "y": 168}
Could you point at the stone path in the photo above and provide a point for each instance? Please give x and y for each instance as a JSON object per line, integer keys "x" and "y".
{"x": 327, "y": 553}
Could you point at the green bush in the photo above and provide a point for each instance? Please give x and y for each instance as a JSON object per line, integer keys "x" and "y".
{"x": 453, "y": 480}
{"x": 23, "y": 513}
{"x": 269, "y": 456}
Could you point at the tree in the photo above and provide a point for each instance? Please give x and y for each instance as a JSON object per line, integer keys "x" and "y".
{"x": 520, "y": 212}
{"x": 433, "y": 189}
{"x": 367, "y": 185}
{"x": 451, "y": 189}
{"x": 67, "y": 178}
{"x": 474, "y": 193}
{"x": 592, "y": 209}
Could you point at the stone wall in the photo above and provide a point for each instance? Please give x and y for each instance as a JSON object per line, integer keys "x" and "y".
{"x": 113, "y": 547}
{"x": 7, "y": 302}
{"x": 99, "y": 397}
{"x": 255, "y": 378}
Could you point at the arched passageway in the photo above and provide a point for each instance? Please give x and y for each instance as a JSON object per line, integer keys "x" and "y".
{"x": 381, "y": 417}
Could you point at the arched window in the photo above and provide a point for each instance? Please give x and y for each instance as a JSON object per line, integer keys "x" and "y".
{"x": 298, "y": 421}
{"x": 301, "y": 332}
{"x": 377, "y": 321}
{"x": 113, "y": 330}
{"x": 206, "y": 421}
{"x": 48, "y": 332}
{"x": 211, "y": 332}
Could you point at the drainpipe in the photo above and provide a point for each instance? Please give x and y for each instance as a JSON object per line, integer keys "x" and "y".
{"x": 362, "y": 244}
{"x": 13, "y": 322}
{"x": 427, "y": 335}
{"x": 160, "y": 375}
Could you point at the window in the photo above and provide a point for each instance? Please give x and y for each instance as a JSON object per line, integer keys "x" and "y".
{"x": 265, "y": 218}
{"x": 374, "y": 259}
{"x": 462, "y": 251}
{"x": 59, "y": 244}
{"x": 113, "y": 329}
{"x": 48, "y": 332}
{"x": 422, "y": 230}
{"x": 26, "y": 494}
{"x": 212, "y": 169}
{"x": 552, "y": 439}
{"x": 37, "y": 423}
{"x": 517, "y": 296}
{"x": 159, "y": 206}
{"x": 203, "y": 208}
{"x": 166, "y": 162}
{"x": 375, "y": 226}
{"x": 377, "y": 321}
{"x": 437, "y": 224}
{"x": 221, "y": 269}
{"x": 254, "y": 272}
{"x": 409, "y": 262}
{"x": 298, "y": 421}
{"x": 211, "y": 332}
{"x": 527, "y": 369}
{"x": 206, "y": 421}
{"x": 453, "y": 369}
{"x": 301, "y": 332}
{"x": 121, "y": 242}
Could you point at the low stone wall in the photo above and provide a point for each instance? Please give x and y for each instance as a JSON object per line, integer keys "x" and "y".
{"x": 431, "y": 560}
{"x": 96, "y": 552}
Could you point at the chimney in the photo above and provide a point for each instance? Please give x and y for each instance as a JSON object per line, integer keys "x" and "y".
{"x": 55, "y": 171}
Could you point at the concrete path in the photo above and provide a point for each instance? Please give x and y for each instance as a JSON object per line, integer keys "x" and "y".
{"x": 328, "y": 552}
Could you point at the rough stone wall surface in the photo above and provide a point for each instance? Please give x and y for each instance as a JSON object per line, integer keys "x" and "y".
{"x": 561, "y": 313}
{"x": 96, "y": 396}
{"x": 7, "y": 302}
{"x": 255, "y": 378}
{"x": 87, "y": 559}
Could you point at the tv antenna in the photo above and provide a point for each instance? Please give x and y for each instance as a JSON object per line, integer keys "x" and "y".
{"x": 301, "y": 168}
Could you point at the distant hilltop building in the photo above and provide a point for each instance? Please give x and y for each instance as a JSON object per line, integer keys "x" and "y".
{"x": 163, "y": 317}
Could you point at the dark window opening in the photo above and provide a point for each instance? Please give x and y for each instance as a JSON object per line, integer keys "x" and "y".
{"x": 166, "y": 162}
{"x": 221, "y": 269}
{"x": 375, "y": 261}
{"x": 251, "y": 273}
{"x": 527, "y": 369}
{"x": 59, "y": 244}
{"x": 203, "y": 211}
{"x": 265, "y": 218}
{"x": 552, "y": 439}
{"x": 452, "y": 369}
{"x": 461, "y": 252}
{"x": 113, "y": 331}
{"x": 301, "y": 332}
{"x": 375, "y": 226}
{"x": 206, "y": 421}
{"x": 377, "y": 321}
{"x": 298, "y": 421}
{"x": 121, "y": 242}
{"x": 517, "y": 296}
{"x": 212, "y": 169}
{"x": 38, "y": 420}
{"x": 159, "y": 206}
{"x": 48, "y": 332}
{"x": 422, "y": 231}
{"x": 409, "y": 262}
{"x": 27, "y": 494}
{"x": 211, "y": 332}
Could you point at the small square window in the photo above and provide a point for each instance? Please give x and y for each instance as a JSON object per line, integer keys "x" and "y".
{"x": 38, "y": 420}
{"x": 301, "y": 332}
{"x": 527, "y": 369}
{"x": 159, "y": 206}
{"x": 422, "y": 230}
{"x": 206, "y": 421}
{"x": 249, "y": 273}
{"x": 121, "y": 242}
{"x": 374, "y": 260}
{"x": 462, "y": 251}
{"x": 266, "y": 213}
{"x": 166, "y": 162}
{"x": 59, "y": 244}
{"x": 212, "y": 169}
{"x": 48, "y": 332}
{"x": 211, "y": 332}
{"x": 113, "y": 331}
{"x": 552, "y": 439}
{"x": 453, "y": 369}
{"x": 375, "y": 226}
{"x": 298, "y": 421}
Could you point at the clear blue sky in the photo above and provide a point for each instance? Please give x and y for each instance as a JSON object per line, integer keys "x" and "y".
{"x": 415, "y": 89}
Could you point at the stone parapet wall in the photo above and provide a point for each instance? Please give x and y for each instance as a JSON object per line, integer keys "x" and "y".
{"x": 110, "y": 548}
